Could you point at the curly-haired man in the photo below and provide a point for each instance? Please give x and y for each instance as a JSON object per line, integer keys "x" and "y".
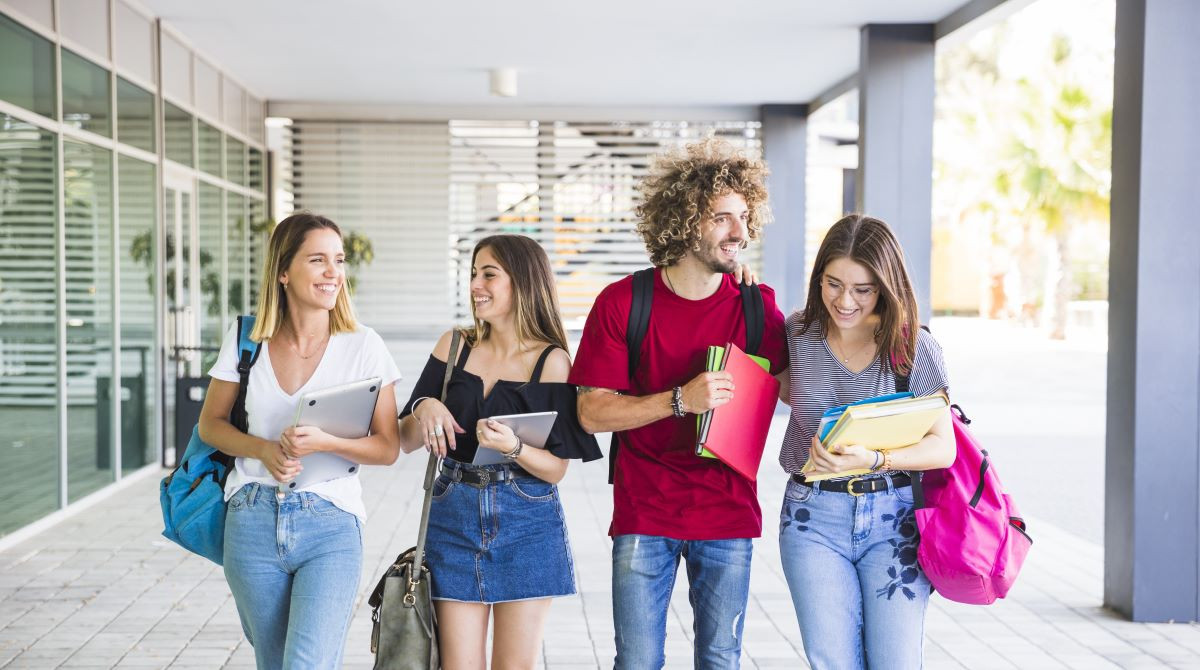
{"x": 700, "y": 208}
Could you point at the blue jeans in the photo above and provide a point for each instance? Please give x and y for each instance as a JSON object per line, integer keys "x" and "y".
{"x": 851, "y": 565}
{"x": 293, "y": 568}
{"x": 643, "y": 576}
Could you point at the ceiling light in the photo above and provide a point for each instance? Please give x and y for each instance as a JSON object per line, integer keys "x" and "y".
{"x": 504, "y": 82}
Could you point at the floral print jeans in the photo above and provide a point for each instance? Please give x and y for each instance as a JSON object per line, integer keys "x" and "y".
{"x": 851, "y": 567}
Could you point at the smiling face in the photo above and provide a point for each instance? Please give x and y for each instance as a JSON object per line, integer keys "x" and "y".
{"x": 849, "y": 292}
{"x": 491, "y": 287}
{"x": 315, "y": 276}
{"x": 726, "y": 234}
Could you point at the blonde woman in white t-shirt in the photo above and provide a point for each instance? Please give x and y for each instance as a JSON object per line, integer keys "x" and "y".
{"x": 293, "y": 559}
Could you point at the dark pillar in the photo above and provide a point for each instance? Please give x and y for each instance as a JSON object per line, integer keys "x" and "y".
{"x": 1152, "y": 508}
{"x": 785, "y": 137}
{"x": 895, "y": 140}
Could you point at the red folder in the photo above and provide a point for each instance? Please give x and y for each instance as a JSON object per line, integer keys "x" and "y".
{"x": 738, "y": 431}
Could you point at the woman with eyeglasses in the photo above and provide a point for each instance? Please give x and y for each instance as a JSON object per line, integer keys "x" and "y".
{"x": 849, "y": 545}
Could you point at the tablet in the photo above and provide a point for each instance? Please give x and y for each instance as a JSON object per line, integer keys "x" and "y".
{"x": 533, "y": 429}
{"x": 342, "y": 411}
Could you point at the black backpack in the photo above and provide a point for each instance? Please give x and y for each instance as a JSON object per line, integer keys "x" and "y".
{"x": 639, "y": 322}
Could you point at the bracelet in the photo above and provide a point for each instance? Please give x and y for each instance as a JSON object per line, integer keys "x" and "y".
{"x": 875, "y": 465}
{"x": 677, "y": 402}
{"x": 887, "y": 461}
{"x": 413, "y": 409}
{"x": 512, "y": 455}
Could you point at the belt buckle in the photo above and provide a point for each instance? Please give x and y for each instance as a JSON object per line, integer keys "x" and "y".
{"x": 850, "y": 486}
{"x": 484, "y": 477}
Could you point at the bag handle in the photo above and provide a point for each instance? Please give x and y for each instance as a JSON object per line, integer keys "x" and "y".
{"x": 430, "y": 471}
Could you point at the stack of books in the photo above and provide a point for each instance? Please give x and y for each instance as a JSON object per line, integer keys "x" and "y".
{"x": 886, "y": 422}
{"x": 736, "y": 432}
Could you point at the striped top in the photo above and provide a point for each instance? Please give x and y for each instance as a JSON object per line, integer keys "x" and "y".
{"x": 819, "y": 381}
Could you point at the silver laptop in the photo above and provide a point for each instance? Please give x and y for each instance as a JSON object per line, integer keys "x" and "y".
{"x": 533, "y": 429}
{"x": 342, "y": 411}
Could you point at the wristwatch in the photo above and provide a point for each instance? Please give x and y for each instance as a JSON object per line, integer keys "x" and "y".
{"x": 512, "y": 455}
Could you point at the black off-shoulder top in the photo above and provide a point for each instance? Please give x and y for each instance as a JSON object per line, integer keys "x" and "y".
{"x": 465, "y": 400}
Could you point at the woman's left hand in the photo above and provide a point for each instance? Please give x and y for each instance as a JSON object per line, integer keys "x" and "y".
{"x": 840, "y": 457}
{"x": 300, "y": 441}
{"x": 495, "y": 435}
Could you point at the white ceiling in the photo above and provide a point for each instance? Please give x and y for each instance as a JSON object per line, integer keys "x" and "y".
{"x": 619, "y": 52}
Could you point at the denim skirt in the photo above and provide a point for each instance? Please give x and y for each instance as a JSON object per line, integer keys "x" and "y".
{"x": 498, "y": 542}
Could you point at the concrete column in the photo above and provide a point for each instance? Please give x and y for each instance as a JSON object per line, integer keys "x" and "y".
{"x": 785, "y": 137}
{"x": 895, "y": 140}
{"x": 1152, "y": 504}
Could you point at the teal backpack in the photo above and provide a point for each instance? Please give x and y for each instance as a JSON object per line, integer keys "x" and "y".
{"x": 193, "y": 495}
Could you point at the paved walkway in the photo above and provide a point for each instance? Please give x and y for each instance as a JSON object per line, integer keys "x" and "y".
{"x": 102, "y": 589}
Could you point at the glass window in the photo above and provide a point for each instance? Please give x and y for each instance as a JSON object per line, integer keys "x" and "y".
{"x": 135, "y": 115}
{"x": 235, "y": 161}
{"x": 210, "y": 234}
{"x": 236, "y": 252}
{"x": 209, "y": 145}
{"x": 28, "y": 359}
{"x": 87, "y": 190}
{"x": 177, "y": 126}
{"x": 135, "y": 253}
{"x": 256, "y": 169}
{"x": 26, "y": 68}
{"x": 260, "y": 229}
{"x": 86, "y": 97}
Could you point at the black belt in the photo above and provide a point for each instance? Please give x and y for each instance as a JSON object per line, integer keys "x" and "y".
{"x": 857, "y": 486}
{"x": 483, "y": 477}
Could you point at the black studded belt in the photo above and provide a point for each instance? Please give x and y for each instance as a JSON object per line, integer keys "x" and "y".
{"x": 483, "y": 477}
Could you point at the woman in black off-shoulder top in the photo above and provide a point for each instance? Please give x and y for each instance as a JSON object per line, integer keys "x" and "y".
{"x": 497, "y": 541}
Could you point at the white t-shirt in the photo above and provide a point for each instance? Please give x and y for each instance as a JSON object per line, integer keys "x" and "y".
{"x": 349, "y": 357}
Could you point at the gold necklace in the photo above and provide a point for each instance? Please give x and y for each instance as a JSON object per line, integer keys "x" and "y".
{"x": 845, "y": 358}
{"x": 296, "y": 349}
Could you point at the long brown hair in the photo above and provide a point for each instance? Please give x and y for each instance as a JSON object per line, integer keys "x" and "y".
{"x": 535, "y": 296}
{"x": 870, "y": 243}
{"x": 286, "y": 240}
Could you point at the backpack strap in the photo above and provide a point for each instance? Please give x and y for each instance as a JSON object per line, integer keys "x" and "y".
{"x": 635, "y": 334}
{"x": 902, "y": 387}
{"x": 248, "y": 351}
{"x": 754, "y": 314}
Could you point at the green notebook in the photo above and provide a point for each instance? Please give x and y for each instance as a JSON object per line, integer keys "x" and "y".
{"x": 716, "y": 361}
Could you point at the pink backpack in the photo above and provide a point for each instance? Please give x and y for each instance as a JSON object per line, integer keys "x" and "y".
{"x": 973, "y": 539}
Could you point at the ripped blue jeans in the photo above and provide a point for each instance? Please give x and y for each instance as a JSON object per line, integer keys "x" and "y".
{"x": 643, "y": 576}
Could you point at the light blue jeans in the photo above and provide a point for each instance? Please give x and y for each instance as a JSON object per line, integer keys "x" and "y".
{"x": 643, "y": 576}
{"x": 851, "y": 565}
{"x": 293, "y": 569}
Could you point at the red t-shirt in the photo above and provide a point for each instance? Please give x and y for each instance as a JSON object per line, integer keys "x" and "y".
{"x": 661, "y": 486}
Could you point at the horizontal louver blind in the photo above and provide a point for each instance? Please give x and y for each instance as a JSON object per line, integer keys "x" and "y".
{"x": 572, "y": 187}
{"x": 389, "y": 182}
{"x": 425, "y": 193}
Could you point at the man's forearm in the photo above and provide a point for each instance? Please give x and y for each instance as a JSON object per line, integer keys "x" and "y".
{"x": 602, "y": 410}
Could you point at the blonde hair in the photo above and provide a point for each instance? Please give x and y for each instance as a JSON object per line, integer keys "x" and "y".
{"x": 678, "y": 193}
{"x": 286, "y": 240}
{"x": 535, "y": 297}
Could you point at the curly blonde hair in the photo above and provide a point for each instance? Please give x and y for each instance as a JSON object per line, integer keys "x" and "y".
{"x": 678, "y": 193}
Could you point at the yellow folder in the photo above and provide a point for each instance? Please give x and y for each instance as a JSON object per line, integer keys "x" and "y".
{"x": 881, "y": 426}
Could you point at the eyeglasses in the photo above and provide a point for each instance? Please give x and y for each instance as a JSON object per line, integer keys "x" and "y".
{"x": 834, "y": 290}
